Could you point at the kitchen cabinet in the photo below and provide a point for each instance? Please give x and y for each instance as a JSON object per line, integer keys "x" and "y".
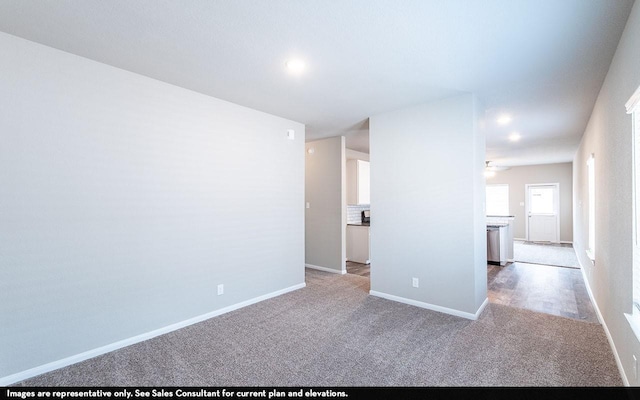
{"x": 358, "y": 182}
{"x": 358, "y": 243}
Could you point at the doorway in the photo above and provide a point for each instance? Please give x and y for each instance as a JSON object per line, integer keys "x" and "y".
{"x": 542, "y": 209}
{"x": 358, "y": 200}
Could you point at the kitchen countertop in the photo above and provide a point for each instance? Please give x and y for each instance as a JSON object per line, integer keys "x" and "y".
{"x": 361, "y": 224}
{"x": 498, "y": 221}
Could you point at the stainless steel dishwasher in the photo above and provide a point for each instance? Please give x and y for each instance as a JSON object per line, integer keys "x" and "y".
{"x": 493, "y": 245}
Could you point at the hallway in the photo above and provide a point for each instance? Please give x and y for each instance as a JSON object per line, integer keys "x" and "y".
{"x": 542, "y": 288}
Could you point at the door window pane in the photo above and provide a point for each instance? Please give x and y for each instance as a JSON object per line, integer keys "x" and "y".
{"x": 542, "y": 200}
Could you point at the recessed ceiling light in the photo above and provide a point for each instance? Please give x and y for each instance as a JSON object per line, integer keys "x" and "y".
{"x": 504, "y": 119}
{"x": 295, "y": 65}
{"x": 514, "y": 137}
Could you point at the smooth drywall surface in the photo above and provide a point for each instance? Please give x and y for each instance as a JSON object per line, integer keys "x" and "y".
{"x": 518, "y": 177}
{"x": 125, "y": 201}
{"x": 356, "y": 155}
{"x": 477, "y": 169}
{"x": 609, "y": 138}
{"x": 326, "y": 212}
{"x": 427, "y": 196}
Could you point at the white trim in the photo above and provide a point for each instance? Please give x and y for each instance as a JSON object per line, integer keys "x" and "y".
{"x": 633, "y": 108}
{"x": 343, "y": 204}
{"x": 30, "y": 373}
{"x": 556, "y": 205}
{"x": 432, "y": 307}
{"x": 634, "y": 322}
{"x": 633, "y": 102}
{"x": 591, "y": 211}
{"x": 625, "y": 381}
{"x": 325, "y": 269}
{"x": 591, "y": 256}
{"x": 562, "y": 241}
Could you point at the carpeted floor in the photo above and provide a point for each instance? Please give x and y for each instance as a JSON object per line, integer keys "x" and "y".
{"x": 560, "y": 255}
{"x": 332, "y": 333}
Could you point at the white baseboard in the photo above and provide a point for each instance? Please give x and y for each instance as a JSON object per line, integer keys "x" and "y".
{"x": 432, "y": 307}
{"x": 625, "y": 380}
{"x": 562, "y": 241}
{"x": 325, "y": 269}
{"x": 484, "y": 305}
{"x": 30, "y": 373}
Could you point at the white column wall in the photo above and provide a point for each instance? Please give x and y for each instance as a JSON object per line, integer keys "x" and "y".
{"x": 427, "y": 199}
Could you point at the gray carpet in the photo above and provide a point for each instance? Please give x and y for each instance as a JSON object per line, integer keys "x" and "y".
{"x": 560, "y": 255}
{"x": 332, "y": 333}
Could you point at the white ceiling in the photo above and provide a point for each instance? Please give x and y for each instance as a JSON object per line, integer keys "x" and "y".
{"x": 543, "y": 61}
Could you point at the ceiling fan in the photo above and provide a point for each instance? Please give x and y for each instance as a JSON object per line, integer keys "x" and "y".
{"x": 490, "y": 169}
{"x": 490, "y": 166}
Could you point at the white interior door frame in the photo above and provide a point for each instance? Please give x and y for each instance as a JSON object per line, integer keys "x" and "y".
{"x": 556, "y": 206}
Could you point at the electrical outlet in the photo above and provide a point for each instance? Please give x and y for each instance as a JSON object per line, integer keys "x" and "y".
{"x": 220, "y": 289}
{"x": 415, "y": 282}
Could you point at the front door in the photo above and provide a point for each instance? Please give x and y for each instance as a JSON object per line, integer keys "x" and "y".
{"x": 542, "y": 213}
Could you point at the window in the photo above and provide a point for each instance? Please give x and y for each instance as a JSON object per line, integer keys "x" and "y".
{"x": 633, "y": 108}
{"x": 591, "y": 168}
{"x": 498, "y": 199}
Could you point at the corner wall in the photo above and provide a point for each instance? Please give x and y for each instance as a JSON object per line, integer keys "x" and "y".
{"x": 609, "y": 137}
{"x": 125, "y": 201}
{"x": 326, "y": 217}
{"x": 427, "y": 196}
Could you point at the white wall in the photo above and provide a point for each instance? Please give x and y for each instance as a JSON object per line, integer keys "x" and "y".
{"x": 427, "y": 197}
{"x": 326, "y": 217}
{"x": 608, "y": 136}
{"x": 351, "y": 154}
{"x": 125, "y": 201}
{"x": 518, "y": 177}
